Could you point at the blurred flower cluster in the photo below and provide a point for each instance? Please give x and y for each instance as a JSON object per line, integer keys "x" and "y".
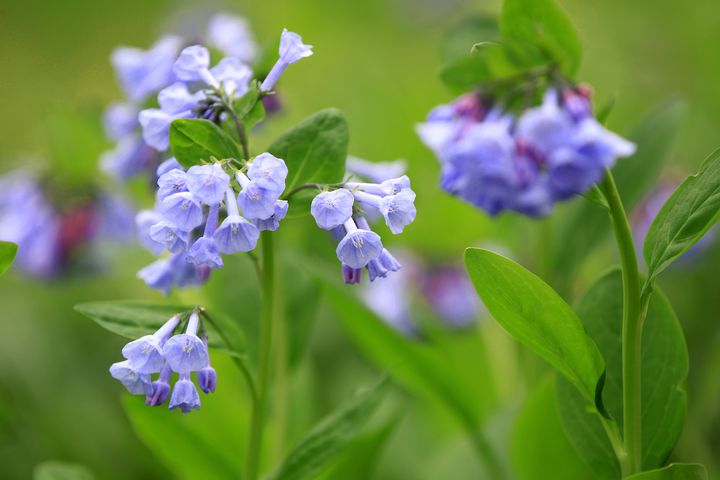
{"x": 498, "y": 161}
{"x": 163, "y": 353}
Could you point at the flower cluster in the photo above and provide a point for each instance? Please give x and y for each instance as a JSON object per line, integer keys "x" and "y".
{"x": 187, "y": 222}
{"x": 499, "y": 162}
{"x": 49, "y": 233}
{"x": 345, "y": 211}
{"x": 163, "y": 353}
{"x": 144, "y": 73}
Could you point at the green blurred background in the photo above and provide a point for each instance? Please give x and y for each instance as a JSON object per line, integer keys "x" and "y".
{"x": 376, "y": 60}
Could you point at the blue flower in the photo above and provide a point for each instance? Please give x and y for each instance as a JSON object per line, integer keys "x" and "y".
{"x": 182, "y": 210}
{"x": 381, "y": 266}
{"x": 185, "y": 395}
{"x": 144, "y": 221}
{"x": 160, "y": 388}
{"x": 176, "y": 98}
{"x": 268, "y": 172}
{"x": 232, "y": 36}
{"x": 204, "y": 252}
{"x": 129, "y": 157}
{"x": 170, "y": 182}
{"x": 156, "y": 126}
{"x": 236, "y": 234}
{"x": 168, "y": 235}
{"x": 359, "y": 246}
{"x": 256, "y": 202}
{"x": 351, "y": 276}
{"x": 208, "y": 183}
{"x": 120, "y": 120}
{"x": 389, "y": 186}
{"x": 134, "y": 382}
{"x": 143, "y": 72}
{"x": 191, "y": 64}
{"x": 144, "y": 354}
{"x": 332, "y": 209}
{"x": 398, "y": 210}
{"x": 169, "y": 272}
{"x": 234, "y": 76}
{"x": 291, "y": 50}
{"x": 169, "y": 164}
{"x": 207, "y": 379}
{"x": 273, "y": 223}
{"x": 185, "y": 352}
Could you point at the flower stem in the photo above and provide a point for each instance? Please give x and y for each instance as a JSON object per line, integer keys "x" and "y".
{"x": 257, "y": 421}
{"x": 633, "y": 318}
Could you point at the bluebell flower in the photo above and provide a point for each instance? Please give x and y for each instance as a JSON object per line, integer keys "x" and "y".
{"x": 176, "y": 98}
{"x": 375, "y": 171}
{"x": 160, "y": 388}
{"x": 186, "y": 352}
{"x": 185, "y": 395}
{"x": 170, "y": 182}
{"x": 144, "y": 354}
{"x": 208, "y": 183}
{"x": 388, "y": 186}
{"x": 169, "y": 236}
{"x": 144, "y": 221}
{"x": 235, "y": 233}
{"x": 182, "y": 210}
{"x": 156, "y": 126}
{"x": 207, "y": 376}
{"x": 381, "y": 266}
{"x": 167, "y": 165}
{"x": 232, "y": 36}
{"x": 273, "y": 222}
{"x": 120, "y": 120}
{"x": 143, "y": 72}
{"x": 193, "y": 64}
{"x": 204, "y": 251}
{"x": 166, "y": 273}
{"x": 351, "y": 276}
{"x": 255, "y": 202}
{"x": 129, "y": 157}
{"x": 359, "y": 246}
{"x": 291, "y": 50}
{"x": 134, "y": 382}
{"x": 397, "y": 209}
{"x": 332, "y": 209}
{"x": 234, "y": 76}
{"x": 268, "y": 172}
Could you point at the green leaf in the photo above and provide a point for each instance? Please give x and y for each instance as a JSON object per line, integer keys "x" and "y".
{"x": 674, "y": 471}
{"x": 7, "y": 255}
{"x": 208, "y": 443}
{"x": 319, "y": 448}
{"x": 685, "y": 217}
{"x": 53, "y": 470}
{"x": 537, "y": 317}
{"x": 664, "y": 370}
{"x": 135, "y": 319}
{"x": 539, "y": 443}
{"x": 315, "y": 149}
{"x": 249, "y": 109}
{"x": 542, "y": 23}
{"x": 193, "y": 140}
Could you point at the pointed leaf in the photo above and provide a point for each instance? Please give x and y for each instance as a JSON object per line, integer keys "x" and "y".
{"x": 674, "y": 471}
{"x": 193, "y": 140}
{"x": 7, "y": 255}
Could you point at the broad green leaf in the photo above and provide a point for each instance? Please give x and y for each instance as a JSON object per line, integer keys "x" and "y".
{"x": 208, "y": 443}
{"x": 689, "y": 212}
{"x": 193, "y": 140}
{"x": 249, "y": 109}
{"x": 7, "y": 255}
{"x": 53, "y": 470}
{"x": 435, "y": 369}
{"x": 585, "y": 225}
{"x": 544, "y": 24}
{"x": 537, "y": 317}
{"x": 320, "y": 447}
{"x": 664, "y": 370}
{"x": 315, "y": 149}
{"x": 674, "y": 471}
{"x": 539, "y": 443}
{"x": 135, "y": 319}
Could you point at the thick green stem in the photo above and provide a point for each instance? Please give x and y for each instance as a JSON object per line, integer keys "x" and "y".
{"x": 257, "y": 421}
{"x": 633, "y": 317}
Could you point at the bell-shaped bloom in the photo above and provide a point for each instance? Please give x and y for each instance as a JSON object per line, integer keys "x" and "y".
{"x": 144, "y": 221}
{"x": 184, "y": 395}
{"x": 129, "y": 157}
{"x": 156, "y": 126}
{"x": 191, "y": 62}
{"x": 186, "y": 352}
{"x": 143, "y": 72}
{"x": 120, "y": 120}
{"x": 375, "y": 171}
{"x": 177, "y": 98}
{"x": 256, "y": 202}
{"x": 232, "y": 36}
{"x": 390, "y": 186}
{"x": 545, "y": 128}
{"x": 291, "y": 50}
{"x": 398, "y": 210}
{"x": 168, "y": 165}
{"x": 332, "y": 209}
{"x": 144, "y": 354}
{"x": 169, "y": 236}
{"x": 160, "y": 388}
{"x": 166, "y": 273}
{"x": 359, "y": 246}
{"x": 134, "y": 382}
{"x": 236, "y": 234}
{"x": 351, "y": 276}
{"x": 273, "y": 223}
{"x": 170, "y": 182}
{"x": 268, "y": 172}
{"x": 381, "y": 266}
{"x": 233, "y": 75}
{"x": 204, "y": 252}
{"x": 208, "y": 183}
{"x": 207, "y": 376}
{"x": 182, "y": 210}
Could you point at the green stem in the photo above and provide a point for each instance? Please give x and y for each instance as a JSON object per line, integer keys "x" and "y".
{"x": 257, "y": 421}
{"x": 633, "y": 317}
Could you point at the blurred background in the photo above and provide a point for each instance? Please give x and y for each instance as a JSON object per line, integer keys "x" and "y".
{"x": 377, "y": 61}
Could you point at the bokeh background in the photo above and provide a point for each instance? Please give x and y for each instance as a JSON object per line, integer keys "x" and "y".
{"x": 378, "y": 61}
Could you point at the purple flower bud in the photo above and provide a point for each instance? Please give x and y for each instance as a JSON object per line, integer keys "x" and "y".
{"x": 232, "y": 36}
{"x": 234, "y": 76}
{"x": 134, "y": 382}
{"x": 207, "y": 379}
{"x": 185, "y": 395}
{"x": 332, "y": 209}
{"x": 359, "y": 246}
{"x": 390, "y": 186}
{"x": 160, "y": 389}
{"x": 177, "y": 98}
{"x": 182, "y": 210}
{"x": 191, "y": 62}
{"x": 120, "y": 120}
{"x": 351, "y": 276}
{"x": 173, "y": 181}
{"x": 169, "y": 236}
{"x": 268, "y": 172}
{"x": 185, "y": 352}
{"x": 382, "y": 265}
{"x": 273, "y": 223}
{"x": 208, "y": 183}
